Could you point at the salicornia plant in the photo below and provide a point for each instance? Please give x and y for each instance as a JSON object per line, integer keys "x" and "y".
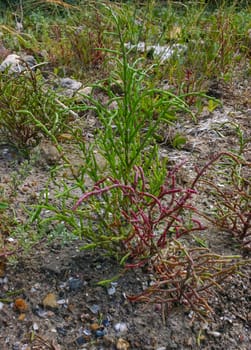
{"x": 151, "y": 219}
{"x": 153, "y": 231}
{"x": 126, "y": 134}
{"x": 22, "y": 96}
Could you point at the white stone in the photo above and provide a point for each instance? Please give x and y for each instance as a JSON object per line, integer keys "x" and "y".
{"x": 163, "y": 52}
{"x": 120, "y": 327}
{"x": 69, "y": 83}
{"x": 17, "y": 64}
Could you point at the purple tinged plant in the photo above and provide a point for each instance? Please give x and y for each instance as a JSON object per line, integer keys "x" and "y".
{"x": 153, "y": 219}
{"x": 182, "y": 275}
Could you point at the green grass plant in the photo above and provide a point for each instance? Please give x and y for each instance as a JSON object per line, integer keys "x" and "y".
{"x": 126, "y": 135}
{"x": 154, "y": 232}
{"x": 23, "y": 95}
{"x": 125, "y": 139}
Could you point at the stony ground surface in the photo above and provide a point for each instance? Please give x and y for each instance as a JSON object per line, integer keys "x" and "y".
{"x": 49, "y": 298}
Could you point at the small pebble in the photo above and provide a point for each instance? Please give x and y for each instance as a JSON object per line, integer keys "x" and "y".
{"x": 75, "y": 284}
{"x": 94, "y": 308}
{"x": 111, "y": 290}
{"x": 80, "y": 340}
{"x": 4, "y": 280}
{"x": 20, "y": 305}
{"x": 105, "y": 322}
{"x": 87, "y": 332}
{"x": 21, "y": 317}
{"x": 120, "y": 327}
{"x": 84, "y": 317}
{"x": 16, "y": 346}
{"x": 100, "y": 333}
{"x": 61, "y": 331}
{"x": 214, "y": 334}
{"x": 41, "y": 312}
{"x": 109, "y": 341}
{"x": 63, "y": 285}
{"x": 122, "y": 344}
{"x": 94, "y": 326}
{"x": 25, "y": 347}
{"x": 35, "y": 326}
{"x": 50, "y": 301}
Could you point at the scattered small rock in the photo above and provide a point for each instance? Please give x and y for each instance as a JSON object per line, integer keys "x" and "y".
{"x": 94, "y": 308}
{"x": 109, "y": 341}
{"x": 249, "y": 317}
{"x": 20, "y": 305}
{"x": 122, "y": 344}
{"x": 69, "y": 86}
{"x": 75, "y": 284}
{"x": 87, "y": 332}
{"x": 70, "y": 83}
{"x": 16, "y": 346}
{"x": 35, "y": 326}
{"x": 100, "y": 333}
{"x": 111, "y": 291}
{"x": 94, "y": 326}
{"x": 47, "y": 154}
{"x": 80, "y": 340}
{"x": 40, "y": 312}
{"x": 21, "y": 317}
{"x": 61, "y": 331}
{"x": 214, "y": 333}
{"x": 162, "y": 52}
{"x": 105, "y": 322}
{"x": 120, "y": 327}
{"x": 50, "y": 301}
{"x": 17, "y": 64}
{"x": 4, "y": 280}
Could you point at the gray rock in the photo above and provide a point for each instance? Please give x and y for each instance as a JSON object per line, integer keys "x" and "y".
{"x": 162, "y": 52}
{"x": 82, "y": 93}
{"x": 69, "y": 86}
{"x": 17, "y": 64}
{"x": 45, "y": 154}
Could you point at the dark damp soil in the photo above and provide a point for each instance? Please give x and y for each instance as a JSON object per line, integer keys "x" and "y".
{"x": 89, "y": 316}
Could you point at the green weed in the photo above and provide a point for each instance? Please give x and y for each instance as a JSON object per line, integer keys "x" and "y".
{"x": 21, "y": 96}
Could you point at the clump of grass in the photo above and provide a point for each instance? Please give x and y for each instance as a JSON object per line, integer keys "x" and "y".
{"x": 149, "y": 230}
{"x": 231, "y": 195}
{"x": 24, "y": 95}
{"x": 126, "y": 136}
{"x": 7, "y": 247}
{"x": 188, "y": 277}
{"x": 152, "y": 219}
{"x": 216, "y": 38}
